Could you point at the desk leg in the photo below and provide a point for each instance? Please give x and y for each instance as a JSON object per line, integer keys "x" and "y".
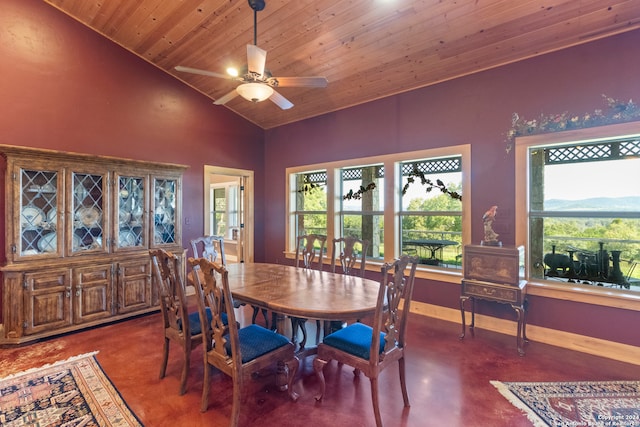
{"x": 463, "y": 299}
{"x": 520, "y": 334}
{"x": 525, "y": 308}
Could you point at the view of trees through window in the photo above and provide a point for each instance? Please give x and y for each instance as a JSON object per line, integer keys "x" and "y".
{"x": 430, "y": 219}
{"x": 584, "y": 215}
{"x": 311, "y": 203}
{"x": 363, "y": 215}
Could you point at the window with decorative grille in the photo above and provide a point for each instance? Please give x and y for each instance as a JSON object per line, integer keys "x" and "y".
{"x": 583, "y": 209}
{"x": 365, "y": 198}
{"x": 430, "y": 219}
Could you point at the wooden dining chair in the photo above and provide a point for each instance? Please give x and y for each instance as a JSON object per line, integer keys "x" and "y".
{"x": 370, "y": 349}
{"x": 309, "y": 255}
{"x": 237, "y": 352}
{"x": 209, "y": 247}
{"x": 212, "y": 248}
{"x": 345, "y": 254}
{"x": 179, "y": 325}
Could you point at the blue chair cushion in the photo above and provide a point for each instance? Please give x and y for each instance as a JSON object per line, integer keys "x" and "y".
{"x": 354, "y": 339}
{"x": 194, "y": 321}
{"x": 256, "y": 341}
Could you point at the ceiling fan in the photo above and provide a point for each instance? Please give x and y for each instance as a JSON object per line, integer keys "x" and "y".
{"x": 257, "y": 82}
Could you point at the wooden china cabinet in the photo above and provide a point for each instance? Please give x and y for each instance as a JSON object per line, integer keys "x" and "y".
{"x": 78, "y": 229}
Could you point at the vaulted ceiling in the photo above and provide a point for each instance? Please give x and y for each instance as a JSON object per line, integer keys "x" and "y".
{"x": 367, "y": 49}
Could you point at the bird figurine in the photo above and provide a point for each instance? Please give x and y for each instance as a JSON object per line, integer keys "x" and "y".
{"x": 490, "y": 214}
{"x": 490, "y": 236}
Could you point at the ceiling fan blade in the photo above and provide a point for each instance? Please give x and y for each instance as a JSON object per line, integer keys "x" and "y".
{"x": 316, "y": 81}
{"x": 280, "y": 101}
{"x": 256, "y": 58}
{"x": 201, "y": 72}
{"x": 226, "y": 98}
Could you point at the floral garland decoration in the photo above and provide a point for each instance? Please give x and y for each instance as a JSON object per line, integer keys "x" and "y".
{"x": 416, "y": 173}
{"x": 615, "y": 112}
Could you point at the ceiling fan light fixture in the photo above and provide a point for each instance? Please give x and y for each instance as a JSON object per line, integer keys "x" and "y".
{"x": 255, "y": 92}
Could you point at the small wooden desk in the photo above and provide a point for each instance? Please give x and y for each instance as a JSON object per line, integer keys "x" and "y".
{"x": 304, "y": 293}
{"x": 505, "y": 294}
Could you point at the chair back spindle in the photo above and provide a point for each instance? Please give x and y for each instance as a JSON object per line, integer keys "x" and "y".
{"x": 345, "y": 253}
{"x": 209, "y": 247}
{"x": 307, "y": 253}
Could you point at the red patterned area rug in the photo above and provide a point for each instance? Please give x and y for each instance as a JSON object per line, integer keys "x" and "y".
{"x": 576, "y": 404}
{"x": 75, "y": 392}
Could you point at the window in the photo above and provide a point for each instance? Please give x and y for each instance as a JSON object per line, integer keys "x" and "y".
{"x": 362, "y": 214}
{"x": 364, "y": 198}
{"x": 219, "y": 211}
{"x": 582, "y": 204}
{"x": 309, "y": 191}
{"x": 225, "y": 213}
{"x": 431, "y": 220}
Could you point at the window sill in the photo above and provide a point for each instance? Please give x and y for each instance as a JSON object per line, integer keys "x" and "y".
{"x": 608, "y": 297}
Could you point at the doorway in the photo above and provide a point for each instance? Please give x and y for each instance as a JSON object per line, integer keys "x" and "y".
{"x": 228, "y": 210}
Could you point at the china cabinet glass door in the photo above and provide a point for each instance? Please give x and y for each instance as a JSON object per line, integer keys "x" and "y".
{"x": 130, "y": 203}
{"x": 88, "y": 210}
{"x": 38, "y": 206}
{"x": 164, "y": 210}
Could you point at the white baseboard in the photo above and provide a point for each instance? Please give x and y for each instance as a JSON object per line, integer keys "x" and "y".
{"x": 609, "y": 349}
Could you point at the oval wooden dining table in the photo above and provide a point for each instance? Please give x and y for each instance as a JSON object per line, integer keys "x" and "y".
{"x": 299, "y": 292}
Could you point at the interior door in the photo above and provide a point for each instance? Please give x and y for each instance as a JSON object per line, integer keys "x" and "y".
{"x": 228, "y": 203}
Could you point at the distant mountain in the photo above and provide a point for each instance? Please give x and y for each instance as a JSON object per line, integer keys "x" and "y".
{"x": 624, "y": 204}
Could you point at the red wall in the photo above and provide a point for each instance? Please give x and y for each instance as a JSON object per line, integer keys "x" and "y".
{"x": 64, "y": 87}
{"x": 474, "y": 110}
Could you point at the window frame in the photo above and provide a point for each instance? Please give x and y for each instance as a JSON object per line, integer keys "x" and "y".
{"x": 392, "y": 196}
{"x": 621, "y": 298}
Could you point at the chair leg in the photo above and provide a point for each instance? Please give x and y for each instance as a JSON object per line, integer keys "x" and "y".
{"x": 318, "y": 366}
{"x": 292, "y": 367}
{"x": 185, "y": 370}
{"x": 237, "y": 400}
{"x": 403, "y": 382}
{"x": 376, "y": 402}
{"x": 205, "y": 386}
{"x": 165, "y": 358}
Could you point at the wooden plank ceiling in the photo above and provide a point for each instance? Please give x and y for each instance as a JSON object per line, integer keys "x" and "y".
{"x": 367, "y": 49}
